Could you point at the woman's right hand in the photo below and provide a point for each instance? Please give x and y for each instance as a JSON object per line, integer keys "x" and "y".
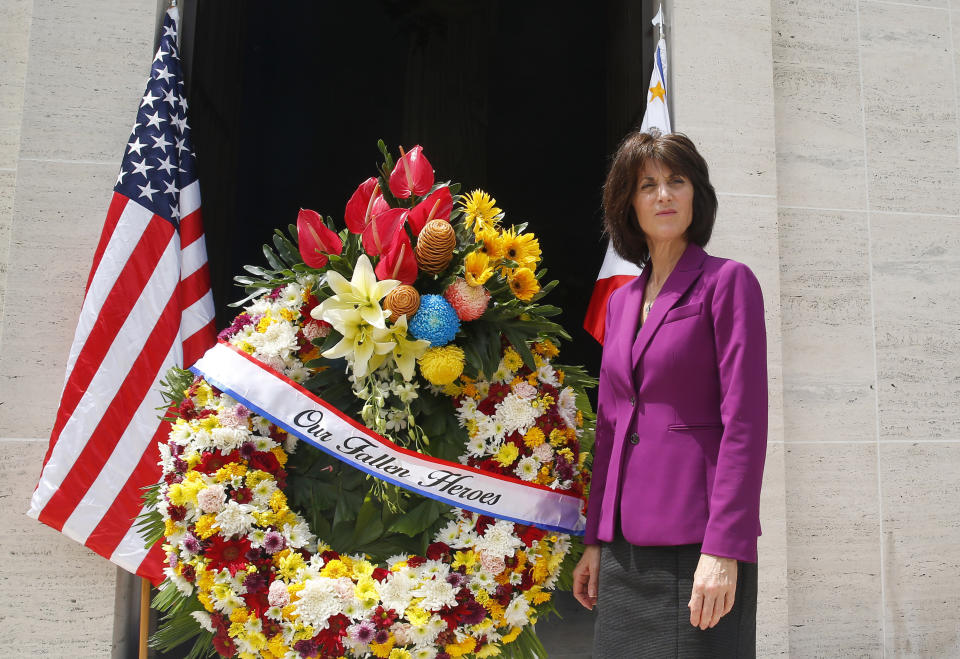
{"x": 585, "y": 577}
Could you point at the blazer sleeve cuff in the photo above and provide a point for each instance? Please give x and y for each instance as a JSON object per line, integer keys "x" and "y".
{"x": 740, "y": 549}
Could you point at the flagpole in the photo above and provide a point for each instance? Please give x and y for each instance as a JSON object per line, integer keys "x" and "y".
{"x": 144, "y": 617}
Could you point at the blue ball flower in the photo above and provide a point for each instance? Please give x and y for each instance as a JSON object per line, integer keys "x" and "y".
{"x": 435, "y": 321}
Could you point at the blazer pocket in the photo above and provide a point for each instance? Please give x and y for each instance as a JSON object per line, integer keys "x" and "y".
{"x": 685, "y": 311}
{"x": 695, "y": 426}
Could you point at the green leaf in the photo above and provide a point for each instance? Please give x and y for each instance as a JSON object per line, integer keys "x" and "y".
{"x": 419, "y": 517}
{"x": 368, "y": 527}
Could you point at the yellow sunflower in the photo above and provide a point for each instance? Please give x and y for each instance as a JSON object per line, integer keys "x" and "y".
{"x": 523, "y": 248}
{"x": 477, "y": 268}
{"x": 523, "y": 283}
{"x": 480, "y": 210}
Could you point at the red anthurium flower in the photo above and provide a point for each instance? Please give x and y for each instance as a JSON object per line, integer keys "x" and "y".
{"x": 316, "y": 240}
{"x": 412, "y": 175}
{"x": 365, "y": 203}
{"x": 398, "y": 261}
{"x": 437, "y": 206}
{"x": 382, "y": 230}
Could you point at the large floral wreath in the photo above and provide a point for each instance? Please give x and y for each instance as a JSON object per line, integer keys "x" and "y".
{"x": 422, "y": 321}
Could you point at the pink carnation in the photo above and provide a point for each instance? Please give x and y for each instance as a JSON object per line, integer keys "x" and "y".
{"x": 525, "y": 390}
{"x": 210, "y": 499}
{"x": 278, "y": 595}
{"x": 468, "y": 301}
{"x": 492, "y": 563}
{"x": 316, "y": 329}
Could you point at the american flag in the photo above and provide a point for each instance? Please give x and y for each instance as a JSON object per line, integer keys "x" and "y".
{"x": 147, "y": 307}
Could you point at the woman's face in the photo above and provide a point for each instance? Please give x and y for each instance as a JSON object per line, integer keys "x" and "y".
{"x": 663, "y": 202}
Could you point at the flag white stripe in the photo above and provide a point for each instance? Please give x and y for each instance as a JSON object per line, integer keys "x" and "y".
{"x": 133, "y": 221}
{"x": 130, "y": 552}
{"x": 190, "y": 199}
{"x": 193, "y": 257}
{"x": 197, "y": 316}
{"x": 123, "y": 352}
{"x": 126, "y": 455}
{"x": 614, "y": 265}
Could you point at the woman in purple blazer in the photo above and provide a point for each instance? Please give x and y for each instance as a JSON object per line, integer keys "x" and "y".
{"x": 673, "y": 515}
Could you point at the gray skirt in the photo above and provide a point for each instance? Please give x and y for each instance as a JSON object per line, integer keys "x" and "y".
{"x": 642, "y": 607}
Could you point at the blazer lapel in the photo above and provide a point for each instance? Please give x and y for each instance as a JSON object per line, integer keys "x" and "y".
{"x": 686, "y": 272}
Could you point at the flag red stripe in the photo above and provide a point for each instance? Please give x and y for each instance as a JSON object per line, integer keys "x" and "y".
{"x": 152, "y": 566}
{"x": 123, "y": 511}
{"x": 191, "y": 228}
{"x": 198, "y": 343}
{"x": 596, "y": 316}
{"x": 195, "y": 286}
{"x": 104, "y": 438}
{"x": 117, "y": 306}
{"x": 117, "y": 204}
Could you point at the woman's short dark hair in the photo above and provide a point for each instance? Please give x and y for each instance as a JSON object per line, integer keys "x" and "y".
{"x": 677, "y": 152}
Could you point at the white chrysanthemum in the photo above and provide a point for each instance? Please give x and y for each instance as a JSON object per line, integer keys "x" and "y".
{"x": 527, "y": 468}
{"x": 433, "y": 570}
{"x": 499, "y": 540}
{"x": 228, "y": 439}
{"x": 166, "y": 458}
{"x": 257, "y": 538}
{"x": 291, "y": 296}
{"x": 516, "y": 414}
{"x": 567, "y": 407}
{"x": 484, "y": 579}
{"x": 228, "y": 602}
{"x": 546, "y": 374}
{"x": 298, "y": 535}
{"x": 260, "y": 425}
{"x": 468, "y": 407}
{"x": 236, "y": 519}
{"x": 318, "y": 602}
{"x": 515, "y": 578}
{"x": 177, "y": 580}
{"x": 449, "y": 534}
{"x": 204, "y": 620}
{"x": 297, "y": 372}
{"x": 476, "y": 447}
{"x": 397, "y": 591}
{"x": 277, "y": 339}
{"x": 263, "y": 444}
{"x": 181, "y": 432}
{"x": 502, "y": 374}
{"x": 423, "y": 651}
{"x": 262, "y": 492}
{"x": 436, "y": 594}
{"x": 518, "y": 612}
{"x": 290, "y": 444}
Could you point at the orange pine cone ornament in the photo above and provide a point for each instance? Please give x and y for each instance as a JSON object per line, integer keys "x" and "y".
{"x": 403, "y": 299}
{"x": 435, "y": 246}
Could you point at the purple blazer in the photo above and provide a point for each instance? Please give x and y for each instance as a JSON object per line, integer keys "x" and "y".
{"x": 681, "y": 431}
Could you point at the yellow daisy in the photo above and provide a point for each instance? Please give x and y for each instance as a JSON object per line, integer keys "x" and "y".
{"x": 491, "y": 244}
{"x": 480, "y": 210}
{"x": 523, "y": 248}
{"x": 524, "y": 284}
{"x": 477, "y": 268}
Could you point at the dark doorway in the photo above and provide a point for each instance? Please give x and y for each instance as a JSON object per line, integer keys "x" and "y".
{"x": 524, "y": 99}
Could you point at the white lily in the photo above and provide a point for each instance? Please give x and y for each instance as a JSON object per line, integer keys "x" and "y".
{"x": 365, "y": 344}
{"x": 362, "y": 294}
{"x": 406, "y": 352}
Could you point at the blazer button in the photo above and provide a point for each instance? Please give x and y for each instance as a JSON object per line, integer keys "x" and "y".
{"x": 634, "y": 438}
{"x": 633, "y": 400}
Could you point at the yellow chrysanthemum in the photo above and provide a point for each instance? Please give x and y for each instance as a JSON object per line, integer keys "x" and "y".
{"x": 382, "y": 650}
{"x": 466, "y": 558}
{"x": 477, "y": 268}
{"x": 399, "y": 653}
{"x": 205, "y": 526}
{"x": 524, "y": 248}
{"x": 239, "y": 614}
{"x": 279, "y": 454}
{"x": 546, "y": 348}
{"x": 277, "y": 646}
{"x": 490, "y": 244}
{"x": 523, "y": 283}
{"x": 512, "y": 635}
{"x": 512, "y": 359}
{"x": 442, "y": 365}
{"x": 488, "y": 650}
{"x": 507, "y": 454}
{"x": 334, "y": 570}
{"x": 480, "y": 211}
{"x": 534, "y": 437}
{"x": 465, "y": 646}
